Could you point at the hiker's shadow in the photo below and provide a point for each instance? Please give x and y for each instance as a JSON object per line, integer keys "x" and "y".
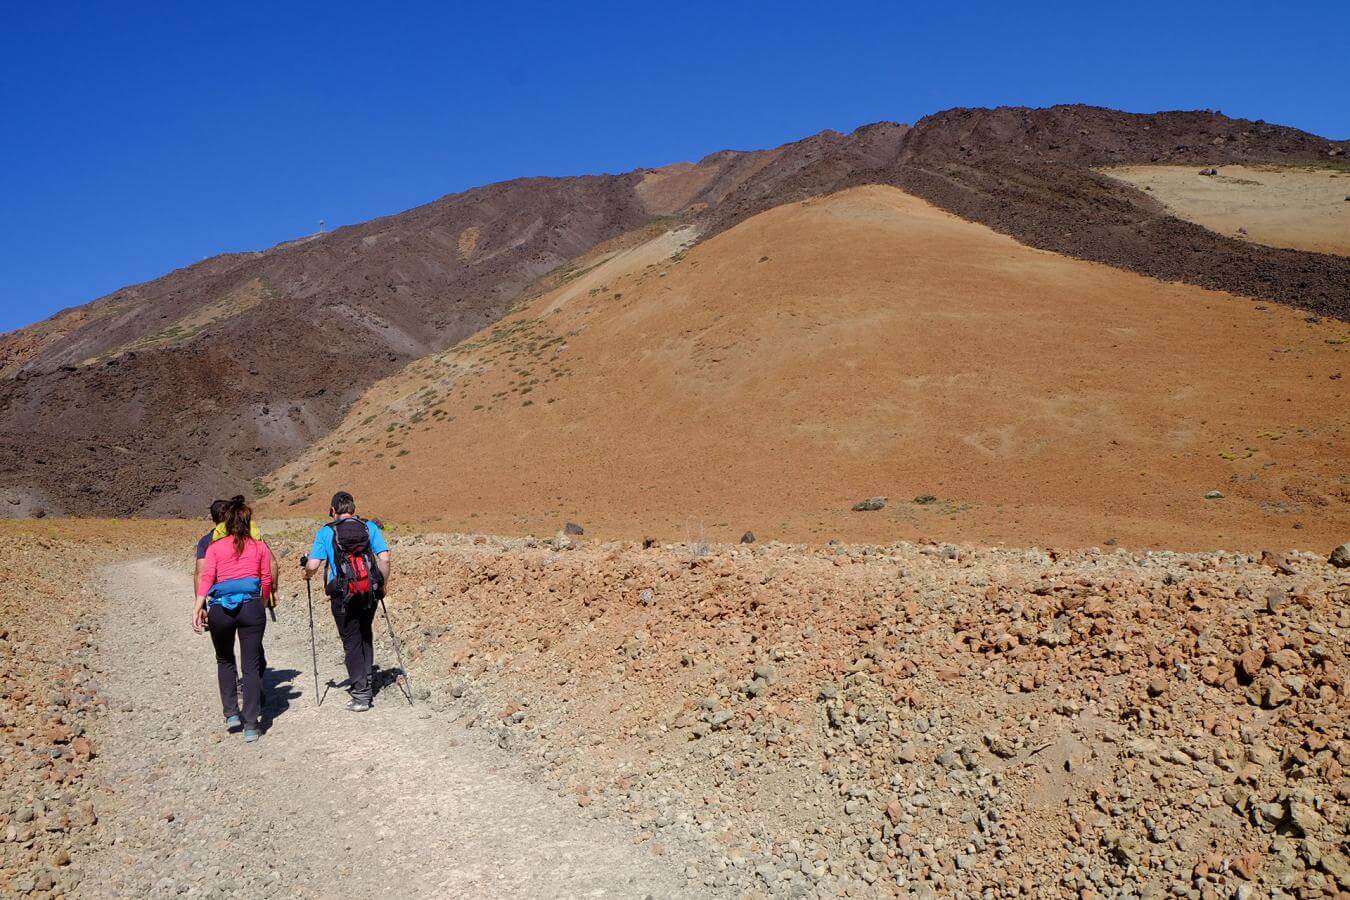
{"x": 279, "y": 685}
{"x": 385, "y": 678}
{"x": 379, "y": 680}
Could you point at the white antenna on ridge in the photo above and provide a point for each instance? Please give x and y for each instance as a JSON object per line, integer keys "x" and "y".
{"x": 321, "y": 225}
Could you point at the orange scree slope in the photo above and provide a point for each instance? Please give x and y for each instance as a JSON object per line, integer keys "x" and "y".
{"x": 863, "y": 343}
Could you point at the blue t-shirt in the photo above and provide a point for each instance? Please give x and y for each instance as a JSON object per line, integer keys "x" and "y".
{"x": 323, "y": 545}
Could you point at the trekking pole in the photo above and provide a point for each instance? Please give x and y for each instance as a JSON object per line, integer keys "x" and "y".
{"x": 313, "y": 650}
{"x": 398, "y": 654}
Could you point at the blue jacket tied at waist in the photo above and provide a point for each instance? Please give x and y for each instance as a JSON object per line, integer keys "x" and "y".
{"x": 235, "y": 592}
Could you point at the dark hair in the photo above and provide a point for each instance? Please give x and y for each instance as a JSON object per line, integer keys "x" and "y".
{"x": 238, "y": 522}
{"x": 343, "y": 504}
{"x": 218, "y": 511}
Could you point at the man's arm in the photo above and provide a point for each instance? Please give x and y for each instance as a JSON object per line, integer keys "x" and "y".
{"x": 318, "y": 553}
{"x": 275, "y": 568}
{"x": 382, "y": 560}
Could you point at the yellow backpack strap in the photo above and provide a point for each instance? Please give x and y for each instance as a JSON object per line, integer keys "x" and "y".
{"x": 219, "y": 532}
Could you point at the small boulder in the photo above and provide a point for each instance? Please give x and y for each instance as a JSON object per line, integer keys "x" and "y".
{"x": 748, "y": 537}
{"x": 1340, "y": 557}
{"x": 573, "y": 528}
{"x": 925, "y": 499}
{"x": 1211, "y": 171}
{"x": 1250, "y": 662}
{"x": 1286, "y": 659}
{"x": 1213, "y": 495}
{"x": 999, "y": 746}
{"x": 871, "y": 504}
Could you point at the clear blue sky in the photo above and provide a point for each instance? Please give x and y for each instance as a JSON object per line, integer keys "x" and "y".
{"x": 142, "y": 137}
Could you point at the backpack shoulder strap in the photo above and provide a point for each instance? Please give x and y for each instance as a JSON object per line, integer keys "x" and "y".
{"x": 337, "y": 543}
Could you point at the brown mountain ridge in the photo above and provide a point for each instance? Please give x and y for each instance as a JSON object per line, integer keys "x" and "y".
{"x": 159, "y": 396}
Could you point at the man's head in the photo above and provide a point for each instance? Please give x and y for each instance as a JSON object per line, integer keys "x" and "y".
{"x": 218, "y": 510}
{"x": 343, "y": 504}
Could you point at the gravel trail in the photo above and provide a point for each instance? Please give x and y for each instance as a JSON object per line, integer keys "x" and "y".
{"x": 327, "y": 804}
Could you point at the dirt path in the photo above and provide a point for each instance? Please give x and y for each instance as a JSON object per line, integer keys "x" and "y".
{"x": 324, "y": 805}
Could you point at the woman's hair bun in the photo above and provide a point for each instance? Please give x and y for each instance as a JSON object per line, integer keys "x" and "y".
{"x": 237, "y": 498}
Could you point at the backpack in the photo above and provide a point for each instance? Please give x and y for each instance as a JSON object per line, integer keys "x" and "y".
{"x": 355, "y": 570}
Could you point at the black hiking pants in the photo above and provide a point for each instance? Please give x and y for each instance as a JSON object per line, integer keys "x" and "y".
{"x": 355, "y": 620}
{"x": 248, "y": 622}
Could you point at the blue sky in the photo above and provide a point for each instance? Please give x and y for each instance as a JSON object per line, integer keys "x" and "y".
{"x": 144, "y": 137}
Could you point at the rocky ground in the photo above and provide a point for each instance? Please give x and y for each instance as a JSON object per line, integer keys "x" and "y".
{"x": 762, "y": 720}
{"x": 916, "y": 718}
{"x": 327, "y": 804}
{"x": 52, "y": 691}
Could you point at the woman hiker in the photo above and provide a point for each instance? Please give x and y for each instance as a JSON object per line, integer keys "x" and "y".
{"x": 217, "y": 532}
{"x": 236, "y": 575}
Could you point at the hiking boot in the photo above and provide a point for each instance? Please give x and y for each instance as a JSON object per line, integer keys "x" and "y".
{"x": 251, "y": 735}
{"x": 233, "y": 722}
{"x": 354, "y": 705}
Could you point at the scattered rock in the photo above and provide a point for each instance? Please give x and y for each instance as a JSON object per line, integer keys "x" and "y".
{"x": 1213, "y": 495}
{"x": 871, "y": 504}
{"x": 572, "y": 528}
{"x": 748, "y": 537}
{"x": 1250, "y": 662}
{"x": 1340, "y": 557}
{"x": 1268, "y": 692}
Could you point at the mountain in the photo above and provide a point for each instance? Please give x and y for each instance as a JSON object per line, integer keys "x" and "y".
{"x": 851, "y": 345}
{"x": 160, "y": 396}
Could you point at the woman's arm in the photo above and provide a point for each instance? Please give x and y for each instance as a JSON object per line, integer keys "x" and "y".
{"x": 207, "y": 576}
{"x": 199, "y": 615}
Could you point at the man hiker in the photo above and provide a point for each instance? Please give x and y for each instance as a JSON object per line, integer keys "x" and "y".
{"x": 355, "y": 557}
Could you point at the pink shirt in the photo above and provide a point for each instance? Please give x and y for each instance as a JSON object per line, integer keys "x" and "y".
{"x": 220, "y": 564}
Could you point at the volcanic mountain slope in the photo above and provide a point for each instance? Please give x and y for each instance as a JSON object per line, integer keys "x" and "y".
{"x": 161, "y": 395}
{"x": 863, "y": 343}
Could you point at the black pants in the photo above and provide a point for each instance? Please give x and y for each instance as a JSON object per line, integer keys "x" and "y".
{"x": 355, "y": 620}
{"x": 248, "y": 622}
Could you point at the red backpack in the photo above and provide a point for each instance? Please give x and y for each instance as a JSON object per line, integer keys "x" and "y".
{"x": 355, "y": 570}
